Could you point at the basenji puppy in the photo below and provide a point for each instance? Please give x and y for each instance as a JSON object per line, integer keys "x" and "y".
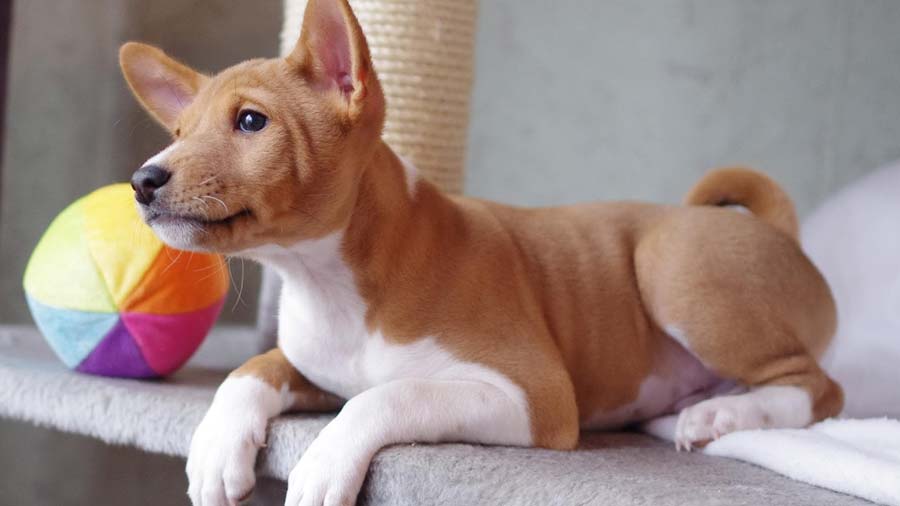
{"x": 427, "y": 317}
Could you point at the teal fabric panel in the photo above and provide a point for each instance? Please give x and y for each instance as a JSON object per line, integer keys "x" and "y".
{"x": 71, "y": 334}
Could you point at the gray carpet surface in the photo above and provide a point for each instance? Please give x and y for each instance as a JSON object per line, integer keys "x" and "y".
{"x": 159, "y": 416}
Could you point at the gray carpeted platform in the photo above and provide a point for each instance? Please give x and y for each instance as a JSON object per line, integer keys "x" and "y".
{"x": 159, "y": 416}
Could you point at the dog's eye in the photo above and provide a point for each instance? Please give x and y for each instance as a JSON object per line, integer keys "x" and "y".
{"x": 251, "y": 121}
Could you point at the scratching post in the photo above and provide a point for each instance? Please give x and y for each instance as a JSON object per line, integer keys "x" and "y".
{"x": 422, "y": 51}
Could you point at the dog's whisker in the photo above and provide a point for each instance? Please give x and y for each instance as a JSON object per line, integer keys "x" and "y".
{"x": 208, "y": 180}
{"x": 240, "y": 289}
{"x": 206, "y": 268}
{"x": 173, "y": 261}
{"x": 215, "y": 269}
{"x": 224, "y": 206}
{"x": 205, "y": 206}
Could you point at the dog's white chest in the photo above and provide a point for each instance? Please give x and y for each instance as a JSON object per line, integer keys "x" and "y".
{"x": 350, "y": 363}
{"x": 336, "y": 364}
{"x": 322, "y": 329}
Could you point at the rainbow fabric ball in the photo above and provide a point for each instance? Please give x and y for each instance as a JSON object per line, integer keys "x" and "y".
{"x": 112, "y": 299}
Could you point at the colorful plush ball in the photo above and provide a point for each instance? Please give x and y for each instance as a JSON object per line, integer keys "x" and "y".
{"x": 112, "y": 299}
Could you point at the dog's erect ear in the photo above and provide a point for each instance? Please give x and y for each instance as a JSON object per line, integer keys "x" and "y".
{"x": 162, "y": 85}
{"x": 333, "y": 53}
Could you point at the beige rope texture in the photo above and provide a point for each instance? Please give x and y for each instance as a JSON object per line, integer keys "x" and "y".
{"x": 422, "y": 51}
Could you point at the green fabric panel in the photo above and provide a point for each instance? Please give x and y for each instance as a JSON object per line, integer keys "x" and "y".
{"x": 62, "y": 272}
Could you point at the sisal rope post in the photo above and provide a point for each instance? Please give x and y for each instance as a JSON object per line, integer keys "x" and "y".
{"x": 423, "y": 54}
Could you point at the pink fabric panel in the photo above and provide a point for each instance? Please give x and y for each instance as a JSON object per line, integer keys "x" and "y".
{"x": 168, "y": 341}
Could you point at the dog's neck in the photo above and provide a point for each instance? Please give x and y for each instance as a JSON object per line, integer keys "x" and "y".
{"x": 393, "y": 210}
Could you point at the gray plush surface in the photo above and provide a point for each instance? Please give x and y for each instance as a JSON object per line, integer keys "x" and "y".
{"x": 159, "y": 416}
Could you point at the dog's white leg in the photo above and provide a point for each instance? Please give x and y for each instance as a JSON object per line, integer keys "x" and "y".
{"x": 762, "y": 408}
{"x": 332, "y": 470}
{"x": 224, "y": 447}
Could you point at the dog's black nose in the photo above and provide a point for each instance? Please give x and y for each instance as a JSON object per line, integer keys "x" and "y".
{"x": 147, "y": 180}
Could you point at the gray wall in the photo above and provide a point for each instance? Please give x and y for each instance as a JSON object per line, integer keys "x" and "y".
{"x": 582, "y": 99}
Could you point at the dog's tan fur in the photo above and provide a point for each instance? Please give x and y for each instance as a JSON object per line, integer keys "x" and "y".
{"x": 573, "y": 304}
{"x": 273, "y": 368}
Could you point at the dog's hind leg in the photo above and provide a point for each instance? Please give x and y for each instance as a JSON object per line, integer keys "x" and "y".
{"x": 784, "y": 387}
{"x": 753, "y": 310}
{"x": 787, "y": 391}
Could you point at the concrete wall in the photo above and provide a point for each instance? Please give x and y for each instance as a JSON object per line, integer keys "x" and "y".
{"x": 584, "y": 99}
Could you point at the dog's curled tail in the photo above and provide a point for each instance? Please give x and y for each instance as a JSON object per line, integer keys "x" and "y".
{"x": 748, "y": 188}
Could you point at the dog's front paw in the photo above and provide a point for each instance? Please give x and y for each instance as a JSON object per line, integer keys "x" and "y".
{"x": 223, "y": 450}
{"x": 330, "y": 473}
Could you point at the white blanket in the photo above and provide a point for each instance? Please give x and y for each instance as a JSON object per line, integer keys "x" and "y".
{"x": 857, "y": 457}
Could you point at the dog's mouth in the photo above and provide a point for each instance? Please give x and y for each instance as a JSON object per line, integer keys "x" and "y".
{"x": 157, "y": 217}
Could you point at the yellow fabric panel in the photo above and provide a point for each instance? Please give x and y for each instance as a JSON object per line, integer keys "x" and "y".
{"x": 61, "y": 272}
{"x": 123, "y": 246}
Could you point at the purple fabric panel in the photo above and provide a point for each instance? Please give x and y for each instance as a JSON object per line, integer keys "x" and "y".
{"x": 117, "y": 355}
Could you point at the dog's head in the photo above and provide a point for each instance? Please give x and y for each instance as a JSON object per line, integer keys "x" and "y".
{"x": 265, "y": 152}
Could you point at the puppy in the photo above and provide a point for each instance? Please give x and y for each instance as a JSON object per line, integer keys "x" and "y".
{"x": 429, "y": 317}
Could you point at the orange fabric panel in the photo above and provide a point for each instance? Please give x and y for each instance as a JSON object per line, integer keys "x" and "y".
{"x": 178, "y": 282}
